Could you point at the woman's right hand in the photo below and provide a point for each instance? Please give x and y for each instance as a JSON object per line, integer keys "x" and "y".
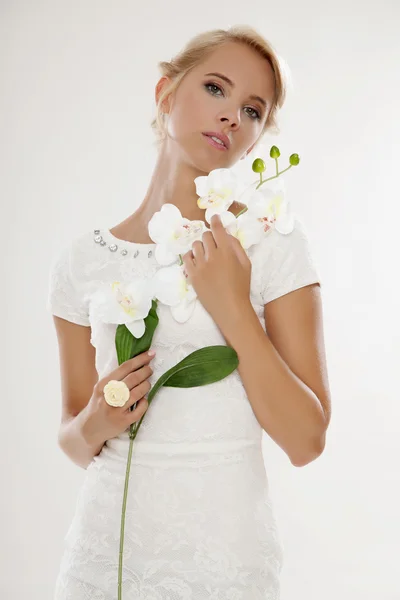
{"x": 104, "y": 421}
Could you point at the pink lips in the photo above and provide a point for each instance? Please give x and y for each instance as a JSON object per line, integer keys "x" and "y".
{"x": 221, "y": 136}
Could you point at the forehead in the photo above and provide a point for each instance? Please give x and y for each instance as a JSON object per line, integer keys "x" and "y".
{"x": 248, "y": 70}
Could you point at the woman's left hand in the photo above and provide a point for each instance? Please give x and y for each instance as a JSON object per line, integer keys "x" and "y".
{"x": 219, "y": 270}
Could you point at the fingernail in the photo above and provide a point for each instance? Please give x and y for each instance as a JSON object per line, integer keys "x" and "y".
{"x": 151, "y": 352}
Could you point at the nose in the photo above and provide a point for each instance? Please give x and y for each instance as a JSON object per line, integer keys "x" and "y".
{"x": 232, "y": 118}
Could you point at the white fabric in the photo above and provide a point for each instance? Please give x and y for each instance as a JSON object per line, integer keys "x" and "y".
{"x": 200, "y": 523}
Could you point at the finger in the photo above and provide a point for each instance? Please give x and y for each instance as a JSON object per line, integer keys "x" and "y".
{"x": 220, "y": 235}
{"x": 133, "y": 379}
{"x": 239, "y": 250}
{"x": 188, "y": 263}
{"x": 138, "y": 412}
{"x": 209, "y": 244}
{"x": 133, "y": 364}
{"x": 137, "y": 393}
{"x": 198, "y": 252}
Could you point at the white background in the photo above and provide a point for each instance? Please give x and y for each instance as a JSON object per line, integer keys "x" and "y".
{"x": 77, "y": 153}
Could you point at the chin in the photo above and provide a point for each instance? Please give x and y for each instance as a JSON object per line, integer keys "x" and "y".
{"x": 207, "y": 161}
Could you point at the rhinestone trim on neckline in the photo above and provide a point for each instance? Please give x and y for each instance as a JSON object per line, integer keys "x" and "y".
{"x": 114, "y": 247}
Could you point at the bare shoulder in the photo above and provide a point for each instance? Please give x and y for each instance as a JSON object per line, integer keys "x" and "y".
{"x": 122, "y": 230}
{"x": 132, "y": 230}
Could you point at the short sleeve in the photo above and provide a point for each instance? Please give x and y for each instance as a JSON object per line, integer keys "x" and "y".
{"x": 65, "y": 296}
{"x": 286, "y": 263}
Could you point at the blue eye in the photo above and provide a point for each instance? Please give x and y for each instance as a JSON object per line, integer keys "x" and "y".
{"x": 256, "y": 114}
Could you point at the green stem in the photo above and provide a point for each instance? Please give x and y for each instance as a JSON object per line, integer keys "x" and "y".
{"x": 121, "y": 542}
{"x": 159, "y": 383}
{"x": 263, "y": 181}
{"x": 274, "y": 176}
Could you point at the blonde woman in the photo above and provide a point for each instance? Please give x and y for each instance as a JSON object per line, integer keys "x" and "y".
{"x": 200, "y": 523}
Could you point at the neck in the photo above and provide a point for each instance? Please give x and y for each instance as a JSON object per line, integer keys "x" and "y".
{"x": 172, "y": 182}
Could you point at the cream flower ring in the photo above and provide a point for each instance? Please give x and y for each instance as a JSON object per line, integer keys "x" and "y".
{"x": 116, "y": 393}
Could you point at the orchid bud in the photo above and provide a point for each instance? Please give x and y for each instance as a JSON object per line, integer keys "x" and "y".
{"x": 294, "y": 160}
{"x": 258, "y": 165}
{"x": 274, "y": 152}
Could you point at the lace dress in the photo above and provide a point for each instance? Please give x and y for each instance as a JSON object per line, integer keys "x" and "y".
{"x": 200, "y": 522}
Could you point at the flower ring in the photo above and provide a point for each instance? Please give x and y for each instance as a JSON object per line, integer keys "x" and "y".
{"x": 116, "y": 393}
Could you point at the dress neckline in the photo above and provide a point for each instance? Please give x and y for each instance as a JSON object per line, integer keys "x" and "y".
{"x": 119, "y": 241}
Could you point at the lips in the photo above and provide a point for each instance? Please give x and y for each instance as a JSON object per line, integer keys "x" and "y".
{"x": 221, "y": 136}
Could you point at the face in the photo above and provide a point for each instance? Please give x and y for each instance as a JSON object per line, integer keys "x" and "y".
{"x": 211, "y": 103}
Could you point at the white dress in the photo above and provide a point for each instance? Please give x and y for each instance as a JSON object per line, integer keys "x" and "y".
{"x": 200, "y": 522}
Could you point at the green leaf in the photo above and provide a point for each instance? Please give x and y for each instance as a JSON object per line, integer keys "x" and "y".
{"x": 123, "y": 343}
{"x": 151, "y": 321}
{"x": 128, "y": 345}
{"x": 201, "y": 367}
{"x": 204, "y": 366}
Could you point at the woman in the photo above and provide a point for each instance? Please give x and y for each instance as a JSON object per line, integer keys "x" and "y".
{"x": 200, "y": 522}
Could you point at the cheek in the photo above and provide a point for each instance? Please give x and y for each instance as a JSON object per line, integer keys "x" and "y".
{"x": 191, "y": 114}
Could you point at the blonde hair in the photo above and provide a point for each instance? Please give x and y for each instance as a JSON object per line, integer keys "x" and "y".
{"x": 201, "y": 46}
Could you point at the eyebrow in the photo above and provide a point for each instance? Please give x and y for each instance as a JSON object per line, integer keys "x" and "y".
{"x": 229, "y": 82}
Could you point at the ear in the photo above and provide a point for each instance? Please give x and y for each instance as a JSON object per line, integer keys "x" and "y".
{"x": 162, "y": 83}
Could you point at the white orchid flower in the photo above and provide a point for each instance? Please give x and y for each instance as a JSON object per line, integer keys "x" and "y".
{"x": 216, "y": 191}
{"x": 172, "y": 288}
{"x": 173, "y": 234}
{"x": 124, "y": 304}
{"x": 269, "y": 206}
{"x": 246, "y": 228}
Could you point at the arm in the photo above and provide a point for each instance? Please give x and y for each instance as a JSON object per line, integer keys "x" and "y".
{"x": 74, "y": 441}
{"x": 284, "y": 373}
{"x": 78, "y": 377}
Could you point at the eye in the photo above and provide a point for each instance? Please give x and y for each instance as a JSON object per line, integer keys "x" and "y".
{"x": 256, "y": 114}
{"x": 212, "y": 85}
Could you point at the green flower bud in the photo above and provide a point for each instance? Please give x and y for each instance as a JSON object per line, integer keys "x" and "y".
{"x": 274, "y": 152}
{"x": 294, "y": 159}
{"x": 258, "y": 165}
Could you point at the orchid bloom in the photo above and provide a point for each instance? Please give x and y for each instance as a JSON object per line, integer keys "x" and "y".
{"x": 172, "y": 289}
{"x": 124, "y": 304}
{"x": 173, "y": 234}
{"x": 246, "y": 228}
{"x": 269, "y": 206}
{"x": 216, "y": 191}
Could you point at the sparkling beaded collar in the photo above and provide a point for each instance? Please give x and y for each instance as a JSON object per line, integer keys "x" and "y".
{"x": 99, "y": 239}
